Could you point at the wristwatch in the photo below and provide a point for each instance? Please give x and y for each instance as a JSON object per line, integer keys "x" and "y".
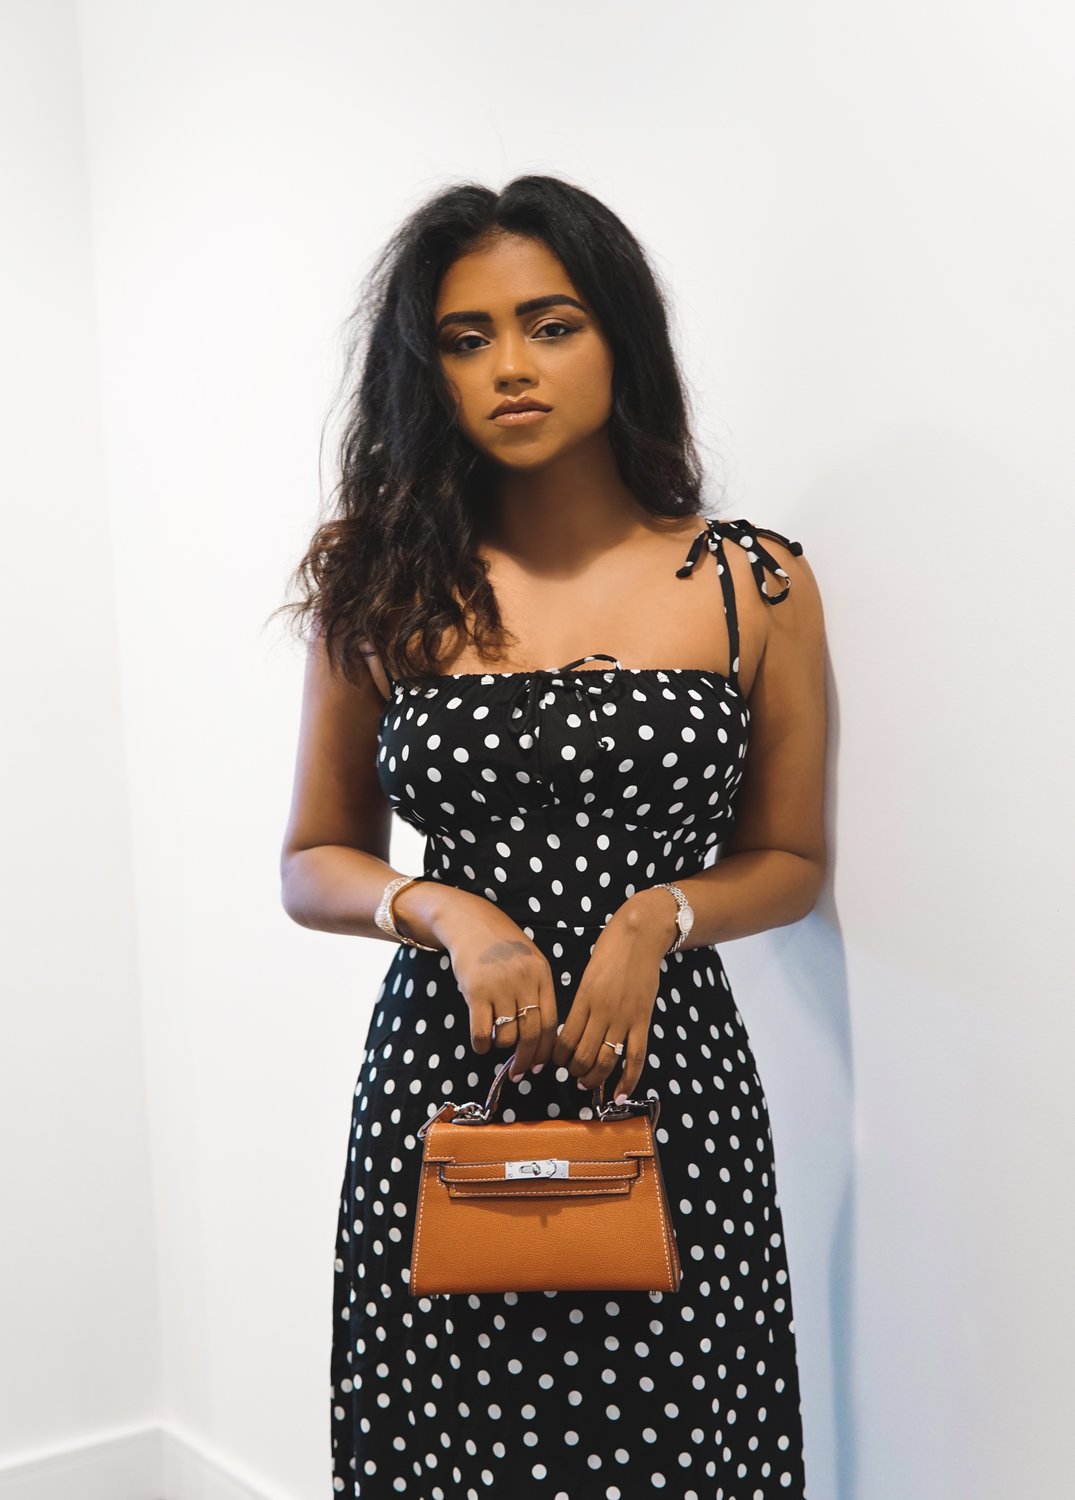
{"x": 684, "y": 914}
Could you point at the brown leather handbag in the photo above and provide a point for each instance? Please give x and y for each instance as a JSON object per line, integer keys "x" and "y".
{"x": 547, "y": 1205}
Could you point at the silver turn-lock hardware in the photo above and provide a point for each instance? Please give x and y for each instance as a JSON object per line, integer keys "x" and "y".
{"x": 548, "y": 1166}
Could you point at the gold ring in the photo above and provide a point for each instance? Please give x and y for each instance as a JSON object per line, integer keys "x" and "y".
{"x": 503, "y": 1020}
{"x": 617, "y": 1047}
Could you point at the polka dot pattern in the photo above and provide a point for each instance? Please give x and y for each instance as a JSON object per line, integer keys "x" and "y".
{"x": 556, "y": 794}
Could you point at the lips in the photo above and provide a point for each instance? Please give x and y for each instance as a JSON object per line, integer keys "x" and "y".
{"x": 507, "y": 407}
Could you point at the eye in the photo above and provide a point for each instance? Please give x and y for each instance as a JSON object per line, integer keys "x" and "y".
{"x": 459, "y": 344}
{"x": 556, "y": 323}
{"x": 456, "y": 346}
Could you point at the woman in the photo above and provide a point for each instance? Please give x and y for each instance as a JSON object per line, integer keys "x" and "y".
{"x": 505, "y": 654}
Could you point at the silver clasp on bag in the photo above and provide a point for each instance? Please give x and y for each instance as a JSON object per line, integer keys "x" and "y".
{"x": 470, "y": 1113}
{"x": 614, "y": 1111}
{"x": 548, "y": 1166}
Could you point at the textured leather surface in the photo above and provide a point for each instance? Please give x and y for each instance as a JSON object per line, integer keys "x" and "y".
{"x": 606, "y": 1226}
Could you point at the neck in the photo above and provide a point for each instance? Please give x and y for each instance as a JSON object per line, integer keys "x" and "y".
{"x": 576, "y": 506}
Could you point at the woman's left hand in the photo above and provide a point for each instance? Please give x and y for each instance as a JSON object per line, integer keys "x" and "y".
{"x": 615, "y": 996}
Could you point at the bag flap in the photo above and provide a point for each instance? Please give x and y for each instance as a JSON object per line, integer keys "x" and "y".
{"x": 541, "y": 1167}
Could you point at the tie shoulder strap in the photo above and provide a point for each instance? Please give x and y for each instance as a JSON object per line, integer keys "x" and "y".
{"x": 746, "y": 535}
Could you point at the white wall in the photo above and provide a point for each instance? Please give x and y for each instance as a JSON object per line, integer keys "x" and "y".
{"x": 79, "y": 1335}
{"x": 864, "y": 213}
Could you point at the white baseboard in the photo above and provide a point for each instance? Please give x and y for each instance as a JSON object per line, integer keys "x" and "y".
{"x": 191, "y": 1471}
{"x": 125, "y": 1465}
{"x": 155, "y": 1462}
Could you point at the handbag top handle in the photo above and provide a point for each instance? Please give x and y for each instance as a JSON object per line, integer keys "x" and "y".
{"x": 482, "y": 1114}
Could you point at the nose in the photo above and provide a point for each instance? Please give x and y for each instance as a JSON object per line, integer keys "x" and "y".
{"x": 514, "y": 359}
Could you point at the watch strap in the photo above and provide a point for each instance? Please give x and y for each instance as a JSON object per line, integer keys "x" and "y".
{"x": 681, "y": 902}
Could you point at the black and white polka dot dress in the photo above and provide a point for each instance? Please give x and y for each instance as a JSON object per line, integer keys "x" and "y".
{"x": 556, "y": 794}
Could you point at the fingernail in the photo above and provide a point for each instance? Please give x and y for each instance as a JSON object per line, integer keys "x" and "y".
{"x": 580, "y": 1083}
{"x": 537, "y": 1067}
{"x": 621, "y": 1098}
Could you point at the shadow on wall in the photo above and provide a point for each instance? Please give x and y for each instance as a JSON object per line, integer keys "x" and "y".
{"x": 791, "y": 987}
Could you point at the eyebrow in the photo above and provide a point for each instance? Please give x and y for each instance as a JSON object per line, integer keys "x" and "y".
{"x": 534, "y": 304}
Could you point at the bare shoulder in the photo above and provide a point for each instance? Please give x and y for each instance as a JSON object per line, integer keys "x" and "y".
{"x": 376, "y": 670}
{"x": 336, "y": 796}
{"x": 783, "y": 804}
{"x": 777, "y": 593}
{"x": 788, "y": 691}
{"x": 800, "y": 613}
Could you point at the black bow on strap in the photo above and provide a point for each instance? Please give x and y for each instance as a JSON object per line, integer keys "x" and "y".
{"x": 741, "y": 531}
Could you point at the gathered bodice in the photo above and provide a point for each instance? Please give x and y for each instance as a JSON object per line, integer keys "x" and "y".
{"x": 558, "y": 792}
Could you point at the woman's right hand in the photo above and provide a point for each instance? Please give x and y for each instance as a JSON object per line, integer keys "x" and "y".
{"x": 499, "y": 971}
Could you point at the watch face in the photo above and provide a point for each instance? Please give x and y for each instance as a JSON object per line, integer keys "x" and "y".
{"x": 685, "y": 918}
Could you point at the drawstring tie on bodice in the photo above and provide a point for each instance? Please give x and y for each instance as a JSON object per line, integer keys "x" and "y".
{"x": 589, "y": 688}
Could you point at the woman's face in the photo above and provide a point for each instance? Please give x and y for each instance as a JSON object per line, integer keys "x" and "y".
{"x": 496, "y": 345}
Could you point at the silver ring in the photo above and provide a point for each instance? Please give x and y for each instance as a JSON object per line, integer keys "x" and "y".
{"x": 617, "y": 1047}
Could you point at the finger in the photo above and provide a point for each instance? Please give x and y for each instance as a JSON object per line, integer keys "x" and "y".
{"x": 634, "y": 1058}
{"x": 482, "y": 1025}
{"x": 607, "y": 1061}
{"x": 548, "y": 1016}
{"x": 529, "y": 1028}
{"x": 505, "y": 1023}
{"x": 570, "y": 1034}
{"x": 588, "y": 1046}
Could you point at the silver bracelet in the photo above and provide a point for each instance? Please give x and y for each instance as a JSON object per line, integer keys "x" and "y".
{"x": 385, "y": 920}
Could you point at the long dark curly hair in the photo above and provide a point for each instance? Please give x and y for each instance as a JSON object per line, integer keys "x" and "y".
{"x": 395, "y": 567}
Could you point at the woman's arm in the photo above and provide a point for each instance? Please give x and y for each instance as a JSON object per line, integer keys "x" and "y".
{"x": 334, "y": 863}
{"x": 334, "y": 868}
{"x": 772, "y": 867}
